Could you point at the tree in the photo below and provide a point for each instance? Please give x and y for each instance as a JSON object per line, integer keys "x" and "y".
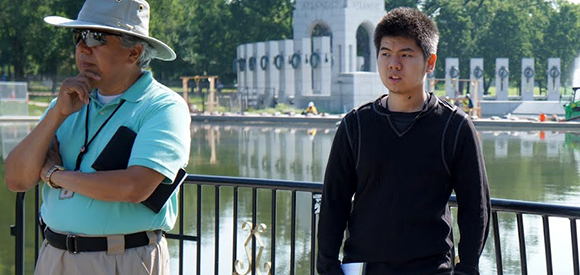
{"x": 492, "y": 29}
{"x": 205, "y": 34}
{"x": 29, "y": 45}
{"x": 455, "y": 28}
{"x": 17, "y": 21}
{"x": 256, "y": 21}
{"x": 58, "y": 49}
{"x": 171, "y": 30}
{"x": 561, "y": 39}
{"x": 391, "y": 4}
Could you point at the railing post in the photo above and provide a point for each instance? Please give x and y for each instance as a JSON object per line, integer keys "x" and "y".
{"x": 36, "y": 223}
{"x": 217, "y": 230}
{"x": 235, "y": 227}
{"x": 522, "y": 239}
{"x": 18, "y": 232}
{"x": 497, "y": 243}
{"x": 198, "y": 228}
{"x": 273, "y": 232}
{"x": 547, "y": 245}
{"x": 575, "y": 256}
{"x": 293, "y": 235}
{"x": 316, "y": 201}
{"x": 181, "y": 224}
{"x": 254, "y": 221}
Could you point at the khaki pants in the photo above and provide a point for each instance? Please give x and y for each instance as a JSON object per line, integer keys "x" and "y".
{"x": 150, "y": 259}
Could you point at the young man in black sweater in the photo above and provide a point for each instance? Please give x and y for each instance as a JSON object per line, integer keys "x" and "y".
{"x": 401, "y": 157}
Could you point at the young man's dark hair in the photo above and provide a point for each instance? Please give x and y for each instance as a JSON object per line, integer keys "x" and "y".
{"x": 393, "y": 165}
{"x": 410, "y": 23}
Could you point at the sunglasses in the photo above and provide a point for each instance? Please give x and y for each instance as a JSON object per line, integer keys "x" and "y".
{"x": 91, "y": 38}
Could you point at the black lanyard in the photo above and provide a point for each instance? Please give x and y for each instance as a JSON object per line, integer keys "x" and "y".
{"x": 85, "y": 147}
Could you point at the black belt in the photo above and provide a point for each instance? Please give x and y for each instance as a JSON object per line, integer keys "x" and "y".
{"x": 75, "y": 244}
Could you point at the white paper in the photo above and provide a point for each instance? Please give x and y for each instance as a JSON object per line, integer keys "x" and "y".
{"x": 352, "y": 268}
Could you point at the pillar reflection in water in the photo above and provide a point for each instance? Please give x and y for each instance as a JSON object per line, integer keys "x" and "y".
{"x": 540, "y": 166}
{"x": 12, "y": 134}
{"x": 256, "y": 151}
{"x": 259, "y": 151}
{"x": 518, "y": 144}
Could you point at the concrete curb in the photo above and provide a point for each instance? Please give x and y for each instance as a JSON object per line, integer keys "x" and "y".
{"x": 19, "y": 118}
{"x": 496, "y": 124}
{"x": 500, "y": 124}
{"x": 252, "y": 118}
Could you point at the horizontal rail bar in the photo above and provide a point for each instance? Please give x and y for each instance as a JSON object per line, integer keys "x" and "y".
{"x": 536, "y": 208}
{"x": 502, "y": 205}
{"x": 315, "y": 187}
{"x": 181, "y": 237}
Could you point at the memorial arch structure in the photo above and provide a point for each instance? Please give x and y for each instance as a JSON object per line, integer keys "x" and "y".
{"x": 331, "y": 59}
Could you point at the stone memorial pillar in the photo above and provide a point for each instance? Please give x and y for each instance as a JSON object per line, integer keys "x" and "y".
{"x": 250, "y": 71}
{"x": 452, "y": 77}
{"x": 554, "y": 78}
{"x": 260, "y": 76}
{"x": 502, "y": 78}
{"x": 430, "y": 82}
{"x": 476, "y": 77}
{"x": 272, "y": 73}
{"x": 262, "y": 81}
{"x": 303, "y": 71}
{"x": 240, "y": 64}
{"x": 286, "y": 47}
{"x": 320, "y": 62}
{"x": 528, "y": 73}
{"x": 351, "y": 51}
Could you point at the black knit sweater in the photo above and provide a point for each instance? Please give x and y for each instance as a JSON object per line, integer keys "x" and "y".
{"x": 401, "y": 182}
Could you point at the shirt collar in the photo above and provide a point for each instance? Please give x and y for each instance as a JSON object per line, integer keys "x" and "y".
{"x": 429, "y": 105}
{"x": 135, "y": 93}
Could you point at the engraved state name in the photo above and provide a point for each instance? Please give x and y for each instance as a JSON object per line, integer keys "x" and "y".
{"x": 324, "y": 5}
{"x": 321, "y": 5}
{"x": 364, "y": 5}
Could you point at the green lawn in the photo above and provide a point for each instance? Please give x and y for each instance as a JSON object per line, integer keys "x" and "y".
{"x": 34, "y": 110}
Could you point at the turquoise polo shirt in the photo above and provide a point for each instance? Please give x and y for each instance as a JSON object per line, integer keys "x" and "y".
{"x": 161, "y": 119}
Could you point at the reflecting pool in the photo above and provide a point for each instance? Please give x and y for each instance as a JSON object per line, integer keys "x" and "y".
{"x": 539, "y": 166}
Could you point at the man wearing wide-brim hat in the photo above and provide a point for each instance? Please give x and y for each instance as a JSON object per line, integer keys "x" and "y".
{"x": 95, "y": 221}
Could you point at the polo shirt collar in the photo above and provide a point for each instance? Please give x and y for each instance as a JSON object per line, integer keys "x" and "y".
{"x": 135, "y": 93}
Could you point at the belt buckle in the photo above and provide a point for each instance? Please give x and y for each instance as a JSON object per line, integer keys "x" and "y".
{"x": 71, "y": 244}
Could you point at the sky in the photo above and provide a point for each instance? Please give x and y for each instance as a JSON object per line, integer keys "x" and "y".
{"x": 574, "y": 1}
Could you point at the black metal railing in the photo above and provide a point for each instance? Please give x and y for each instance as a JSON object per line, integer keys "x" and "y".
{"x": 201, "y": 183}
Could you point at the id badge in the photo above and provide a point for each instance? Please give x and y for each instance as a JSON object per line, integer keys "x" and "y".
{"x": 66, "y": 194}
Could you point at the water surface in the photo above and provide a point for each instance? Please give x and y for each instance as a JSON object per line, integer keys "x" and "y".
{"x": 539, "y": 166}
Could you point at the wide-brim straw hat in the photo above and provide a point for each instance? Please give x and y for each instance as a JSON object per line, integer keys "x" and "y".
{"x": 123, "y": 16}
